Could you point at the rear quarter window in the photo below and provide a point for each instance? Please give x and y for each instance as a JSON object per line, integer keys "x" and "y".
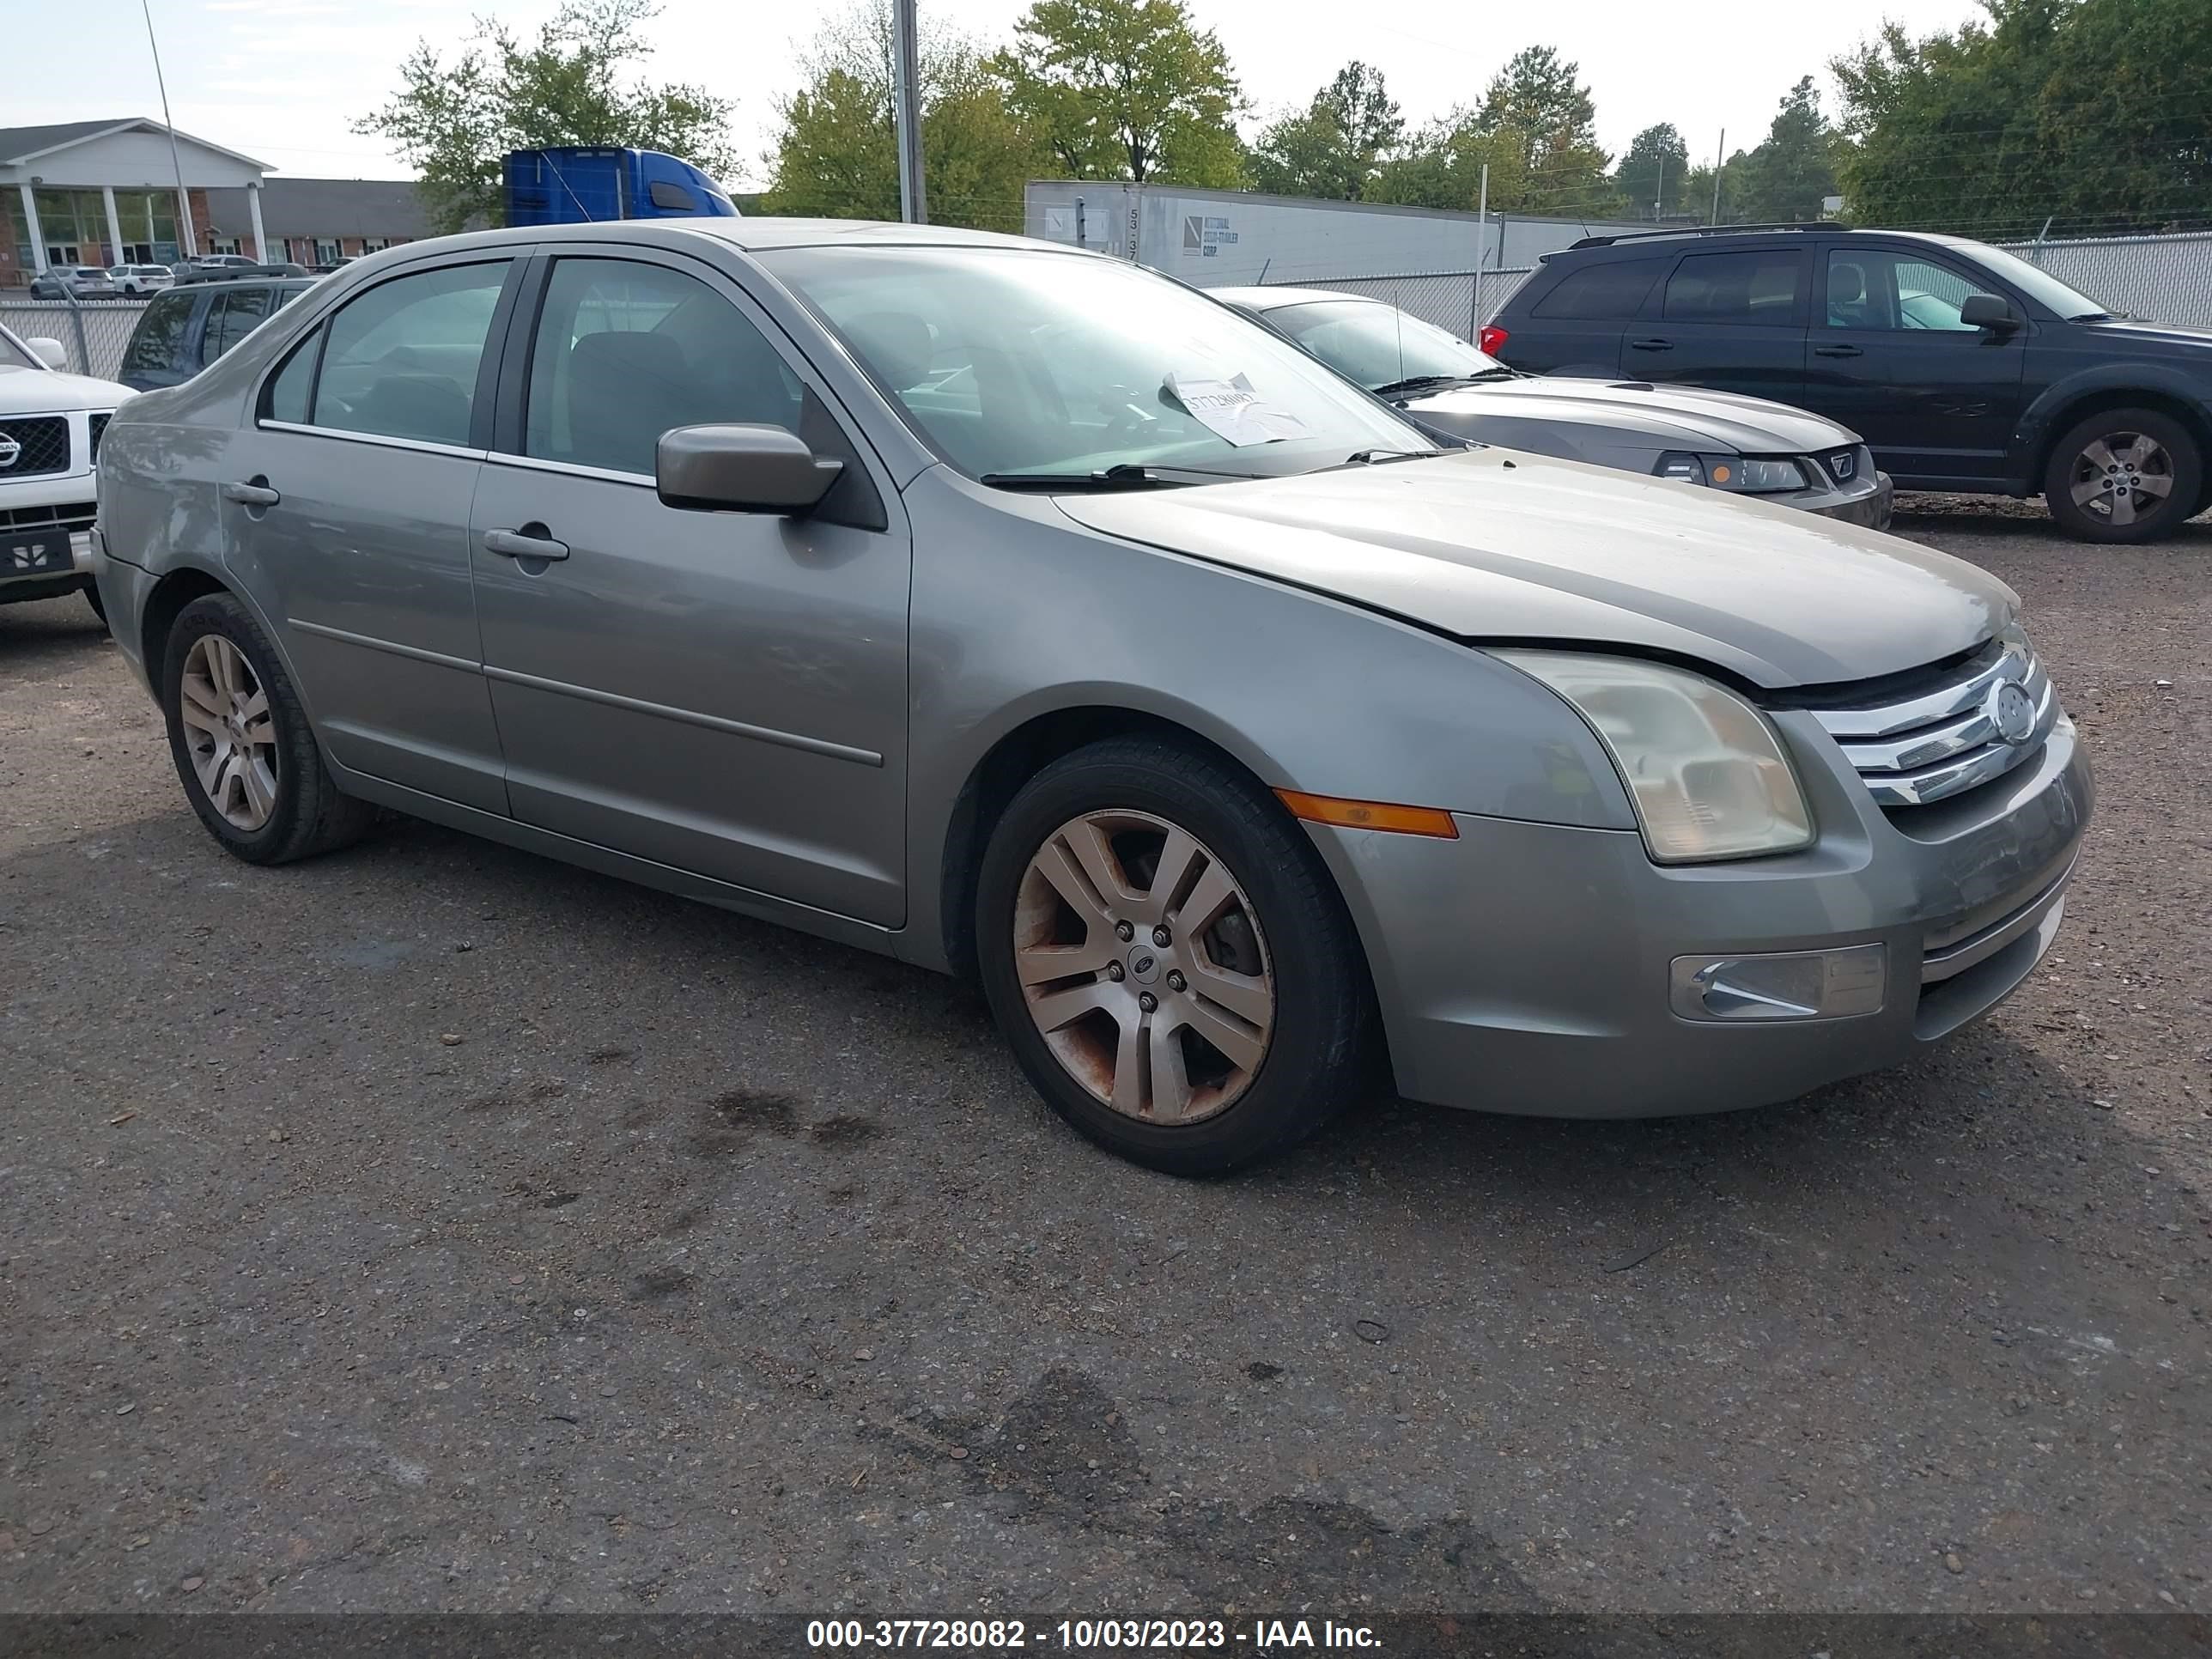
{"x": 1613, "y": 291}
{"x": 158, "y": 342}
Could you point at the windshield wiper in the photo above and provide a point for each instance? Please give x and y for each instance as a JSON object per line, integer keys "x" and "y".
{"x": 1124, "y": 475}
{"x": 2092, "y": 317}
{"x": 1438, "y": 382}
{"x": 1377, "y": 457}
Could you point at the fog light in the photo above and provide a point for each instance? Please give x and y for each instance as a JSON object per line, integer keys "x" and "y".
{"x": 1785, "y": 985}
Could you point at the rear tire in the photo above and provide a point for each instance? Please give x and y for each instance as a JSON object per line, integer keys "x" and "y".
{"x": 92, "y": 598}
{"x": 1269, "y": 963}
{"x": 2124, "y": 476}
{"x": 244, "y": 751}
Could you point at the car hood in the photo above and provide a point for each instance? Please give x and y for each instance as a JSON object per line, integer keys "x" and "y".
{"x": 2158, "y": 336}
{"x": 46, "y": 391}
{"x": 1485, "y": 545}
{"x": 1677, "y": 417}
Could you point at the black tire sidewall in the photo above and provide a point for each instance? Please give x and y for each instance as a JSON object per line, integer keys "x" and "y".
{"x": 1313, "y": 1063}
{"x": 2170, "y": 514}
{"x": 299, "y": 761}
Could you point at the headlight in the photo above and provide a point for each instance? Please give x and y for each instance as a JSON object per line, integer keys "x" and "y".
{"x": 1707, "y": 774}
{"x": 1738, "y": 474}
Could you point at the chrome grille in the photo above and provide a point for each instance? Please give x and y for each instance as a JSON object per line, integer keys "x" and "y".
{"x": 1943, "y": 741}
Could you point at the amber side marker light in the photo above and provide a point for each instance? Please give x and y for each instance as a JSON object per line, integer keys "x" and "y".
{"x": 1371, "y": 815}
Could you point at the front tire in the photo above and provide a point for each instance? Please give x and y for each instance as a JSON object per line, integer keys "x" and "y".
{"x": 244, "y": 750}
{"x": 1170, "y": 959}
{"x": 2124, "y": 476}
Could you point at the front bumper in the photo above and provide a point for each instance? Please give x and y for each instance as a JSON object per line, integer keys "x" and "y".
{"x": 1530, "y": 967}
{"x": 1872, "y": 507}
{"x": 46, "y": 537}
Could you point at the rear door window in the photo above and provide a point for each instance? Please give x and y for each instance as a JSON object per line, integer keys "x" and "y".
{"x": 402, "y": 360}
{"x": 1611, "y": 292}
{"x": 1757, "y": 286}
{"x": 235, "y": 316}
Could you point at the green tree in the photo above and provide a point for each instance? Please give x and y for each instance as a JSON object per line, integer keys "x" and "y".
{"x": 453, "y": 122}
{"x": 2091, "y": 114}
{"x": 1441, "y": 166}
{"x": 837, "y": 149}
{"x": 1126, "y": 89}
{"x": 1538, "y": 104}
{"x": 1653, "y": 171}
{"x": 1333, "y": 147}
{"x": 1784, "y": 179}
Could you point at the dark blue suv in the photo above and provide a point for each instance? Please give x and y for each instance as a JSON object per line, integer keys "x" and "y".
{"x": 1963, "y": 366}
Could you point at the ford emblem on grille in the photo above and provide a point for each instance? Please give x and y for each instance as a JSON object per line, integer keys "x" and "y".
{"x": 1844, "y": 465}
{"x": 9, "y": 449}
{"x": 2013, "y": 713}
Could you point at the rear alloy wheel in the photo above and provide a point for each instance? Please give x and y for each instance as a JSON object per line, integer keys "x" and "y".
{"x": 2126, "y": 475}
{"x": 244, "y": 750}
{"x": 1170, "y": 959}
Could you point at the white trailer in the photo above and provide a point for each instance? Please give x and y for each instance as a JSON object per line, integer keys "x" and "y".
{"x": 1218, "y": 237}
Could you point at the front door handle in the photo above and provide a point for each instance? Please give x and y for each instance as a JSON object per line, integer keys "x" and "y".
{"x": 1651, "y": 345}
{"x": 1837, "y": 351}
{"x": 250, "y": 494}
{"x": 531, "y": 542}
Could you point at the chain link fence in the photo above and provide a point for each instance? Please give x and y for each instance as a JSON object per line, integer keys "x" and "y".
{"x": 2161, "y": 279}
{"x": 93, "y": 332}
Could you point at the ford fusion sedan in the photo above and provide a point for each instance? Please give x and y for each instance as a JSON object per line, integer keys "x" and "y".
{"x": 1015, "y": 611}
{"x": 1744, "y": 446}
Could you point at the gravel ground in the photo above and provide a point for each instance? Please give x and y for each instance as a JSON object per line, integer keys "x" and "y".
{"x": 434, "y": 1227}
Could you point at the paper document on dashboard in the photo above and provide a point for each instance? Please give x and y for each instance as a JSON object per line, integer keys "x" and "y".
{"x": 1232, "y": 409}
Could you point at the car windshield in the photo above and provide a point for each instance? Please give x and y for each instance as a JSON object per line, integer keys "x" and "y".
{"x": 1009, "y": 362}
{"x": 2039, "y": 284}
{"x": 14, "y": 354}
{"x": 1379, "y": 345}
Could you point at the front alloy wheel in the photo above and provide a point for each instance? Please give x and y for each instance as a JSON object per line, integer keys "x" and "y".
{"x": 1169, "y": 958}
{"x": 2120, "y": 476}
{"x": 2127, "y": 475}
{"x": 1142, "y": 965}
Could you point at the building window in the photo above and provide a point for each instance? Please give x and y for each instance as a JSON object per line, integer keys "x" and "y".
{"x": 326, "y": 249}
{"x": 374, "y": 244}
{"x": 224, "y": 244}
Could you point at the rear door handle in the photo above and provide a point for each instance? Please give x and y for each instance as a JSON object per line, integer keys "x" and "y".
{"x": 515, "y": 545}
{"x": 1651, "y": 345}
{"x": 250, "y": 494}
{"x": 1836, "y": 351}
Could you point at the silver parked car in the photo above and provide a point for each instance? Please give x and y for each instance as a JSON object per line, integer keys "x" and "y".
{"x": 1010, "y": 609}
{"x": 1718, "y": 440}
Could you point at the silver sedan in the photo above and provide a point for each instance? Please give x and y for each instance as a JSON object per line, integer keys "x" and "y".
{"x": 1018, "y": 612}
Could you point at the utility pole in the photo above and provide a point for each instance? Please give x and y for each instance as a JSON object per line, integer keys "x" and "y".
{"x": 1720, "y": 160}
{"x": 1659, "y": 195}
{"x": 184, "y": 237}
{"x": 906, "y": 63}
{"x": 1481, "y": 244}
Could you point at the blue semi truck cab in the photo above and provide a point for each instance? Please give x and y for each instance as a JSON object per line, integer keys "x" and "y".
{"x": 580, "y": 183}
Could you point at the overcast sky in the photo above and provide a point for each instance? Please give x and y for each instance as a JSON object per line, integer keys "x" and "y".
{"x": 281, "y": 80}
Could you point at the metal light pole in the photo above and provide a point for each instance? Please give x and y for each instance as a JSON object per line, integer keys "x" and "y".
{"x": 906, "y": 78}
{"x": 1720, "y": 160}
{"x": 184, "y": 237}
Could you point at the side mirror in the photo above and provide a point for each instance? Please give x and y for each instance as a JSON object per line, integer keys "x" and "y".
{"x": 48, "y": 351}
{"x": 741, "y": 468}
{"x": 1987, "y": 311}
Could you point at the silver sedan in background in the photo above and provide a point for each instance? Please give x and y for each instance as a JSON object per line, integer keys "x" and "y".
{"x": 1715, "y": 440}
{"x": 1012, "y": 611}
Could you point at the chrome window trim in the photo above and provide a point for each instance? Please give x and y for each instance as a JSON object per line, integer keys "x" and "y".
{"x": 571, "y": 468}
{"x": 378, "y": 438}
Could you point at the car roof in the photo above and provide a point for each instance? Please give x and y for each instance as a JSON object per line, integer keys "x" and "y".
{"x": 755, "y": 234}
{"x": 1277, "y": 298}
{"x": 1637, "y": 243}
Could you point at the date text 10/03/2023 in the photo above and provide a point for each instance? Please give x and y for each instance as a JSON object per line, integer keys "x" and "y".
{"x": 1083, "y": 1635}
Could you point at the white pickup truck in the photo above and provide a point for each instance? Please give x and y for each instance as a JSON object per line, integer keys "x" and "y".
{"x": 50, "y": 423}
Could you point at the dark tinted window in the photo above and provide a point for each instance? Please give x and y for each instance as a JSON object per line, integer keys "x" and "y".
{"x": 1760, "y": 286}
{"x": 234, "y": 317}
{"x": 285, "y": 396}
{"x": 159, "y": 340}
{"x": 1602, "y": 292}
{"x": 626, "y": 350}
{"x": 674, "y": 198}
{"x": 402, "y": 360}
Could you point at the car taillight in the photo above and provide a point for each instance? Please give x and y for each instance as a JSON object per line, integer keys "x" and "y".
{"x": 1490, "y": 338}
